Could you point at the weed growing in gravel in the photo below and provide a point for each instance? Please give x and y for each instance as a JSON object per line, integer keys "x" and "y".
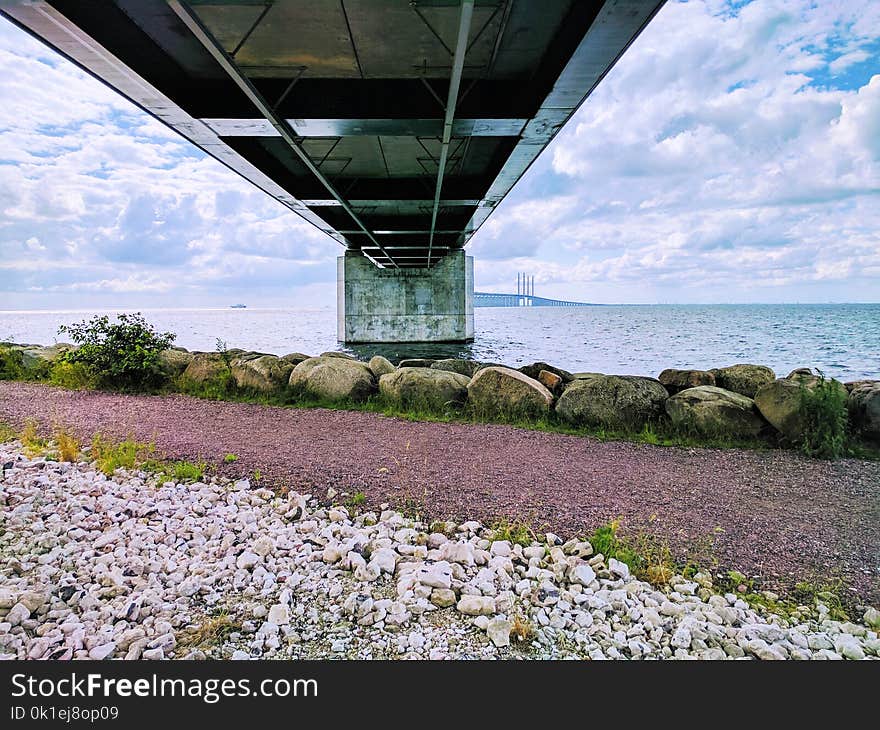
{"x": 7, "y": 433}
{"x": 183, "y": 471}
{"x": 606, "y": 540}
{"x": 111, "y": 456}
{"x": 230, "y": 458}
{"x": 67, "y": 445}
{"x": 33, "y": 443}
{"x": 356, "y": 500}
{"x": 522, "y": 630}
{"x": 72, "y": 375}
{"x": 213, "y": 632}
{"x": 516, "y": 532}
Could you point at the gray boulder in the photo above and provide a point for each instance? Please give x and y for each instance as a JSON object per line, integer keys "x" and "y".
{"x": 711, "y": 411}
{"x": 502, "y": 392}
{"x": 781, "y": 403}
{"x": 295, "y": 358}
{"x": 435, "y": 389}
{"x": 864, "y": 409}
{"x": 333, "y": 378}
{"x": 677, "y": 380}
{"x": 416, "y": 362}
{"x": 380, "y": 366}
{"x": 343, "y": 355}
{"x": 744, "y": 379}
{"x": 265, "y": 373}
{"x": 615, "y": 401}
{"x": 175, "y": 360}
{"x": 205, "y": 367}
{"x": 454, "y": 365}
{"x": 535, "y": 369}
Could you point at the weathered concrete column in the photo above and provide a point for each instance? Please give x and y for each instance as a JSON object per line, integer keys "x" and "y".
{"x": 405, "y": 305}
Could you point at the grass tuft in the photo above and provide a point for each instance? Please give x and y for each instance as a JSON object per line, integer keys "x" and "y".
{"x": 126, "y": 454}
{"x": 515, "y": 532}
{"x": 212, "y": 632}
{"x": 33, "y": 443}
{"x": 7, "y": 433}
{"x": 67, "y": 445}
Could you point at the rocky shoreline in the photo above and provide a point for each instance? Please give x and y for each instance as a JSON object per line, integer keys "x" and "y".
{"x": 739, "y": 402}
{"x": 127, "y": 567}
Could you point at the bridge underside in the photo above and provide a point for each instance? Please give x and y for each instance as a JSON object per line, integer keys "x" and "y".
{"x": 394, "y": 126}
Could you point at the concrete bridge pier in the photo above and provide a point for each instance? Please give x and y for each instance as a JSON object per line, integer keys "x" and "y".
{"x": 407, "y": 304}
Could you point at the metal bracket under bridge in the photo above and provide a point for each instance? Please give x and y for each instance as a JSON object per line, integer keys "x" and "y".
{"x": 488, "y": 299}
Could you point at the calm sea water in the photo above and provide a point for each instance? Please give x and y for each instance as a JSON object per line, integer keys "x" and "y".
{"x": 843, "y": 340}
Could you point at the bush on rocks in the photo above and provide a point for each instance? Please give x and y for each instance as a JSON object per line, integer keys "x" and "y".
{"x": 265, "y": 373}
{"x": 497, "y": 392}
{"x": 676, "y": 381}
{"x": 613, "y": 401}
{"x": 125, "y": 354}
{"x": 744, "y": 379}
{"x": 434, "y": 389}
{"x": 333, "y": 378}
{"x": 714, "y": 412}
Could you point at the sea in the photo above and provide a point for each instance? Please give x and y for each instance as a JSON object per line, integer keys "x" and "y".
{"x": 841, "y": 340}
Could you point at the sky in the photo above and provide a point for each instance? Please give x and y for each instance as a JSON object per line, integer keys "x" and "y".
{"x": 732, "y": 155}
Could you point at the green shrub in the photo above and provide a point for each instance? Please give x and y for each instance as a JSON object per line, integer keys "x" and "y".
{"x": 72, "y": 375}
{"x": 124, "y": 354}
{"x": 11, "y": 364}
{"x": 825, "y": 419}
{"x": 111, "y": 455}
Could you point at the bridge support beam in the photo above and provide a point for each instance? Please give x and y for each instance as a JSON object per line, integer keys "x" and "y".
{"x": 406, "y": 304}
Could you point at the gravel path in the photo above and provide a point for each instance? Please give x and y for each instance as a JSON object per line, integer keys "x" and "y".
{"x": 773, "y": 514}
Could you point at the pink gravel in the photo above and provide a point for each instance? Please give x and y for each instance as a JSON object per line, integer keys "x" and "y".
{"x": 773, "y": 514}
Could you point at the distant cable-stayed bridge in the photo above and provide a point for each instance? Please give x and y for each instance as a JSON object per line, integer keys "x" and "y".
{"x": 524, "y": 297}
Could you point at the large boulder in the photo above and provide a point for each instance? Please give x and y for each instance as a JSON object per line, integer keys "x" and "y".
{"x": 380, "y": 366}
{"x": 535, "y": 369}
{"x": 781, "y": 403}
{"x": 502, "y": 392}
{"x": 711, "y": 411}
{"x": 206, "y": 367}
{"x": 175, "y": 360}
{"x": 334, "y": 353}
{"x": 864, "y": 409}
{"x": 333, "y": 378}
{"x": 416, "y": 362}
{"x": 676, "y": 381}
{"x": 455, "y": 365}
{"x": 265, "y": 373}
{"x": 615, "y": 401}
{"x": 744, "y": 379}
{"x": 424, "y": 386}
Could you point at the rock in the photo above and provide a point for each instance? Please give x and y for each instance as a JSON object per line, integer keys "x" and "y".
{"x": 864, "y": 409}
{"x": 501, "y": 392}
{"x": 453, "y": 365}
{"x": 615, "y": 401}
{"x": 848, "y": 646}
{"x": 342, "y": 355}
{"x": 435, "y": 389}
{"x": 851, "y": 385}
{"x": 872, "y": 618}
{"x": 443, "y": 597}
{"x": 175, "y": 360}
{"x": 153, "y": 654}
{"x": 800, "y": 373}
{"x": 677, "y": 380}
{"x": 551, "y": 381}
{"x": 7, "y": 598}
{"x": 711, "y": 411}
{"x": 18, "y": 613}
{"x": 334, "y": 378}
{"x": 266, "y": 373}
{"x": 295, "y": 358}
{"x": 743, "y": 378}
{"x": 498, "y": 631}
{"x": 534, "y": 370}
{"x": 33, "y": 600}
{"x": 781, "y": 403}
{"x": 416, "y": 362}
{"x": 582, "y": 574}
{"x": 206, "y": 367}
{"x": 380, "y": 366}
{"x": 238, "y": 656}
{"x": 279, "y": 615}
{"x": 264, "y": 545}
{"x": 247, "y": 560}
{"x": 476, "y": 605}
{"x": 102, "y": 651}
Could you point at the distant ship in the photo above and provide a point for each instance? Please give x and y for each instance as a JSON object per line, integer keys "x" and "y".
{"x": 238, "y": 306}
